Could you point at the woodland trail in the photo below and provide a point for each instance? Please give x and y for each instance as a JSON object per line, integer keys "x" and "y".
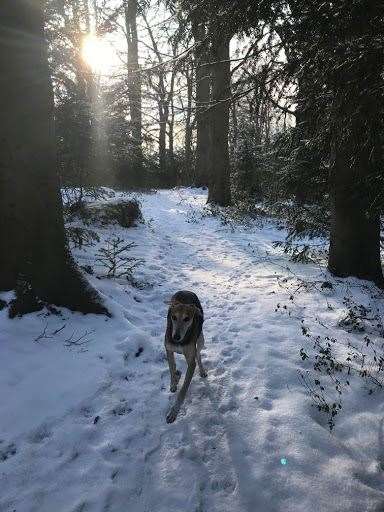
{"x": 246, "y": 439}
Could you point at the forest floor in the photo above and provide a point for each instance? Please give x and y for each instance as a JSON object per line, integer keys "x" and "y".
{"x": 84, "y": 398}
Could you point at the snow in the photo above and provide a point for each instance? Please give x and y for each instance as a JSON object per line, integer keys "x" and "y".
{"x": 83, "y": 427}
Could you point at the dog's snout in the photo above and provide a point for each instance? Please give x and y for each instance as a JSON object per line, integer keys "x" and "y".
{"x": 177, "y": 337}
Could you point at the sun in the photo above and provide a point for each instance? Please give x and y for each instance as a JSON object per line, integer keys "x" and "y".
{"x": 98, "y": 54}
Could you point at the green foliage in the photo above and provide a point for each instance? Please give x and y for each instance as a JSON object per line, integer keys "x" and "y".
{"x": 115, "y": 258}
{"x": 247, "y": 175}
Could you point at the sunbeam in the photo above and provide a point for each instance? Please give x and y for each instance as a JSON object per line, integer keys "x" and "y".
{"x": 98, "y": 54}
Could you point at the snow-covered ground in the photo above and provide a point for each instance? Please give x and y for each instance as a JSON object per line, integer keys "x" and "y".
{"x": 82, "y": 427}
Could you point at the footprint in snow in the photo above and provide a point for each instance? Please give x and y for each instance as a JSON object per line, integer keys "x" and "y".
{"x": 7, "y": 451}
{"x": 271, "y": 436}
{"x": 236, "y": 389}
{"x": 266, "y": 405}
{"x": 230, "y": 406}
{"x": 114, "y": 473}
{"x": 233, "y": 357}
{"x": 86, "y": 411}
{"x": 123, "y": 346}
{"x": 121, "y": 409}
{"x": 220, "y": 370}
{"x": 108, "y": 452}
{"x": 224, "y": 484}
{"x": 38, "y": 435}
{"x": 237, "y": 374}
{"x": 81, "y": 507}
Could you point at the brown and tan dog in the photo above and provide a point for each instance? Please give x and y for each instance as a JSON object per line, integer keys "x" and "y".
{"x": 184, "y": 335}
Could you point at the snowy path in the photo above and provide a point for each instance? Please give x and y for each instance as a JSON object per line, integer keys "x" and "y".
{"x": 86, "y": 432}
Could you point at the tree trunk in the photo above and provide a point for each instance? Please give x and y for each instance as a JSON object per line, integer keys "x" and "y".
{"x": 86, "y": 92}
{"x": 356, "y": 181}
{"x": 187, "y": 178}
{"x": 171, "y": 169}
{"x": 134, "y": 91}
{"x": 203, "y": 81}
{"x": 355, "y": 240}
{"x": 163, "y": 116}
{"x": 219, "y": 168}
{"x": 354, "y": 248}
{"x": 307, "y": 160}
{"x": 34, "y": 258}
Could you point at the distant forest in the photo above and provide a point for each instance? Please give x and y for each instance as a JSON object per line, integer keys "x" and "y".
{"x": 273, "y": 103}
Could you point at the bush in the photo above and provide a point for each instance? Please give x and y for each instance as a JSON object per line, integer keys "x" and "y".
{"x": 115, "y": 258}
{"x": 126, "y": 213}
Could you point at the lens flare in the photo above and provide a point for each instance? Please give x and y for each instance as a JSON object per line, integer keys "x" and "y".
{"x": 97, "y": 54}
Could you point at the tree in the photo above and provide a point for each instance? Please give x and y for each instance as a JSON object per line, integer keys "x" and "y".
{"x": 203, "y": 81}
{"x": 337, "y": 63}
{"x": 342, "y": 57}
{"x": 188, "y": 175}
{"x": 134, "y": 88}
{"x": 161, "y": 82}
{"x": 36, "y": 261}
{"x": 219, "y": 191}
{"x": 79, "y": 127}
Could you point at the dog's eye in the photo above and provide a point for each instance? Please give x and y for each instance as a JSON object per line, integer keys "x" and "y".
{"x": 174, "y": 318}
{"x": 186, "y": 319}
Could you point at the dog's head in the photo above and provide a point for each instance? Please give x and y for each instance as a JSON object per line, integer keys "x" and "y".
{"x": 181, "y": 320}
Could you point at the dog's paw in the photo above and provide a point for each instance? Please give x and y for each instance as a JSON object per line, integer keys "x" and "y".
{"x": 203, "y": 374}
{"x": 172, "y": 415}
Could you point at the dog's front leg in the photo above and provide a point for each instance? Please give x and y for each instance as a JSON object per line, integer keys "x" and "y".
{"x": 202, "y": 370}
{"x": 199, "y": 346}
{"x": 174, "y": 411}
{"x": 175, "y": 374}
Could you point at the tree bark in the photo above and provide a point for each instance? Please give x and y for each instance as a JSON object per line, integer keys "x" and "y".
{"x": 188, "y": 179}
{"x": 219, "y": 167}
{"x": 34, "y": 257}
{"x": 203, "y": 81}
{"x": 354, "y": 248}
{"x": 355, "y": 234}
{"x": 134, "y": 90}
{"x": 356, "y": 180}
{"x": 171, "y": 169}
{"x": 163, "y": 117}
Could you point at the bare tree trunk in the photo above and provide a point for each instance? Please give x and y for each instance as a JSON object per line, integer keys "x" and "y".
{"x": 188, "y": 128}
{"x": 163, "y": 101}
{"x": 163, "y": 116}
{"x": 86, "y": 91}
{"x": 203, "y": 81}
{"x": 36, "y": 261}
{"x": 219, "y": 188}
{"x": 134, "y": 89}
{"x": 356, "y": 180}
{"x": 235, "y": 131}
{"x": 171, "y": 126}
{"x": 355, "y": 230}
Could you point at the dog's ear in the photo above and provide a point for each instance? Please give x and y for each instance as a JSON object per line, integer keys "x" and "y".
{"x": 198, "y": 319}
{"x": 168, "y": 332}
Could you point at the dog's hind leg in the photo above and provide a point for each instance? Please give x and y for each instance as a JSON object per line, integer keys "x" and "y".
{"x": 175, "y": 374}
{"x": 174, "y": 411}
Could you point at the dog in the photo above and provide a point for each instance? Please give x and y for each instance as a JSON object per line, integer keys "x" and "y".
{"x": 184, "y": 335}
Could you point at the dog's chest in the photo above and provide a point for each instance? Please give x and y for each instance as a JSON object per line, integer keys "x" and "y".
{"x": 174, "y": 347}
